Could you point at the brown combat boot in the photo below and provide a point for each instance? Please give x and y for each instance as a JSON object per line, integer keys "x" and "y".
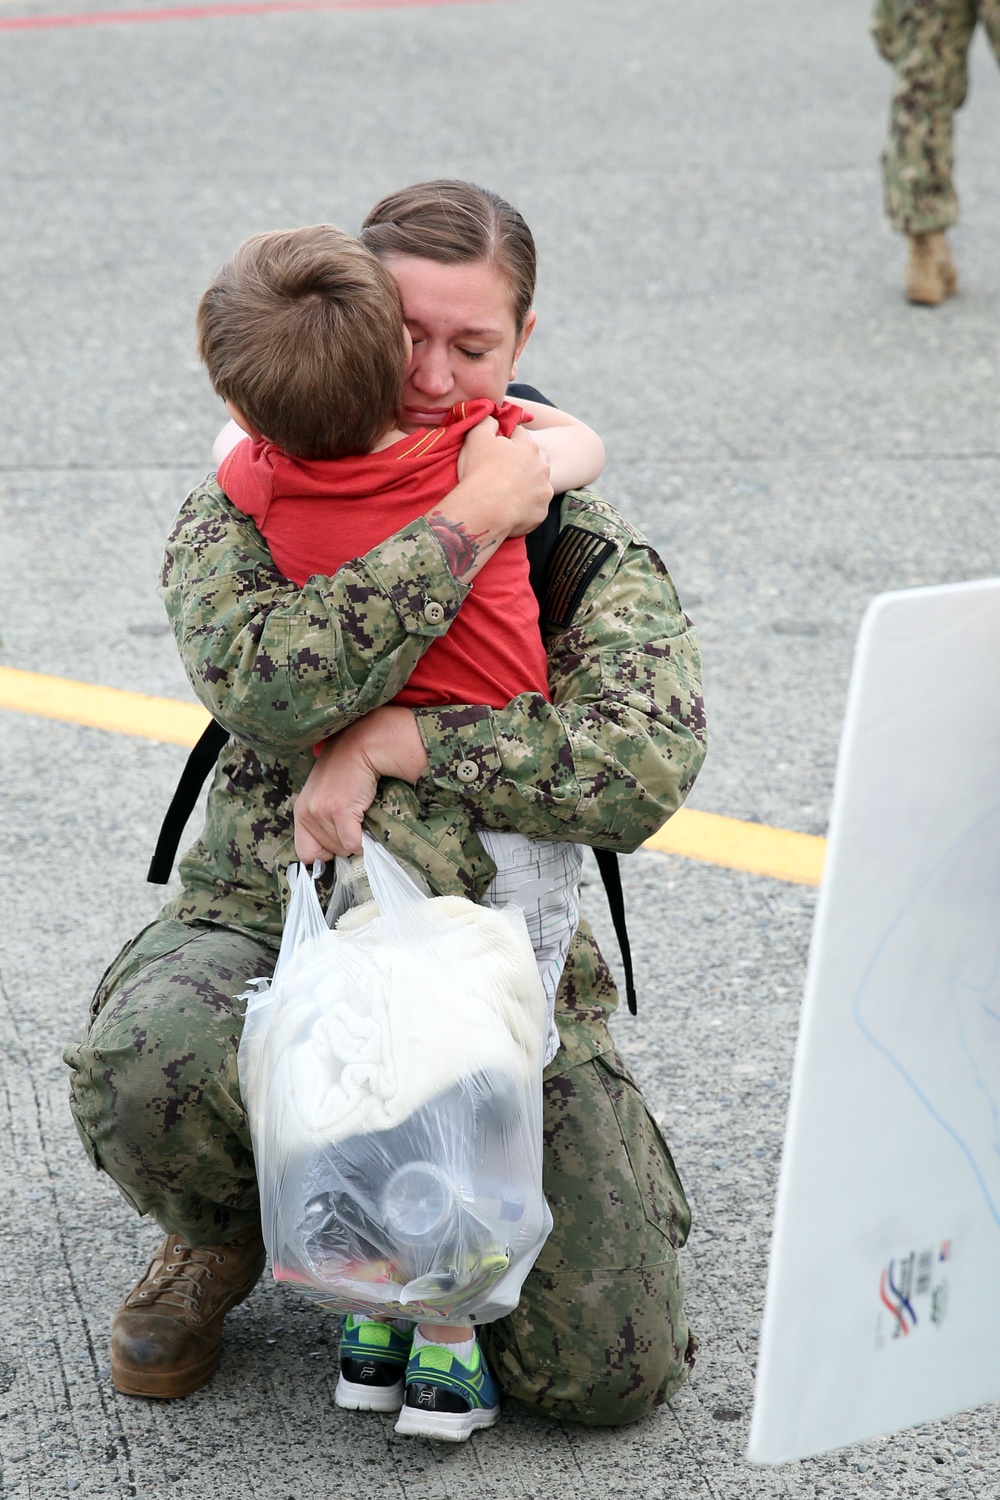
{"x": 930, "y": 270}
{"x": 166, "y": 1338}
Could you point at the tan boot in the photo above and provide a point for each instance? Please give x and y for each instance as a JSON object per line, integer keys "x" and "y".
{"x": 930, "y": 270}
{"x": 166, "y": 1338}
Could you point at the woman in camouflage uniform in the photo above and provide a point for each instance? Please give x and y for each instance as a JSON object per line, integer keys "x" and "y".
{"x": 600, "y": 1334}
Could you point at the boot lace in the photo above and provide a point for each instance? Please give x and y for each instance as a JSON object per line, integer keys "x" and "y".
{"x": 181, "y": 1280}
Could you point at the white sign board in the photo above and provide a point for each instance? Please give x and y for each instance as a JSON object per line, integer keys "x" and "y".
{"x": 883, "y": 1296}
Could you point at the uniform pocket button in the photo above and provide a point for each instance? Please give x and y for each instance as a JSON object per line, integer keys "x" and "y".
{"x": 433, "y": 612}
{"x": 467, "y": 770}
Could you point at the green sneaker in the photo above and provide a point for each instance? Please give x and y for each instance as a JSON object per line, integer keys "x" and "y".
{"x": 445, "y": 1397}
{"x": 373, "y": 1359}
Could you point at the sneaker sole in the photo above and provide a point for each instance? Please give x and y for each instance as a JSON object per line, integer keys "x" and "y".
{"x": 446, "y": 1426}
{"x": 350, "y": 1395}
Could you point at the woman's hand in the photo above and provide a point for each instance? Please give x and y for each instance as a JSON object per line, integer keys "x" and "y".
{"x": 331, "y": 806}
{"x": 341, "y": 786}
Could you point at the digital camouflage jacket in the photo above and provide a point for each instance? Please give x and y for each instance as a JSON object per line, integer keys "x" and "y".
{"x": 282, "y": 668}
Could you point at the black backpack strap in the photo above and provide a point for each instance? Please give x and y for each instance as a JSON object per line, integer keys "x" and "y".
{"x": 541, "y": 544}
{"x": 611, "y": 875}
{"x": 199, "y": 763}
{"x": 542, "y": 541}
{"x": 520, "y": 391}
{"x": 563, "y": 560}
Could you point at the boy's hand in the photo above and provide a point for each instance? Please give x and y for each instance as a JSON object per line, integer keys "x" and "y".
{"x": 341, "y": 786}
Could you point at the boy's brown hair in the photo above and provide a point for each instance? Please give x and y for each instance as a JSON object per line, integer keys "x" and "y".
{"x": 302, "y": 330}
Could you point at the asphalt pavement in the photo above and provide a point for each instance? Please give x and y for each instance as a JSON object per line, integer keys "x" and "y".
{"x": 719, "y": 297}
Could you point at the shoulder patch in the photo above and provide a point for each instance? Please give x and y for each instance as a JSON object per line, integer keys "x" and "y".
{"x": 593, "y": 513}
{"x": 576, "y": 559}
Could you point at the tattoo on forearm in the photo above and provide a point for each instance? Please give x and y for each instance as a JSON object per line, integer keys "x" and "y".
{"x": 462, "y": 548}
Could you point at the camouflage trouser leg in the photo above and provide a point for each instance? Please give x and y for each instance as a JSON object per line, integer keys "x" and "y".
{"x": 989, "y": 15}
{"x": 154, "y": 1089}
{"x": 928, "y": 42}
{"x": 599, "y": 1335}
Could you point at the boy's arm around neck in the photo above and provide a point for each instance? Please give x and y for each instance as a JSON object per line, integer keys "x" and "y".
{"x": 574, "y": 451}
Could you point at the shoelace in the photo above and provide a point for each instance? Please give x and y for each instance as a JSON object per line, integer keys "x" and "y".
{"x": 180, "y": 1281}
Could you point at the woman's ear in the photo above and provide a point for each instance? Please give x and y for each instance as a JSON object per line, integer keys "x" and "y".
{"x": 523, "y": 337}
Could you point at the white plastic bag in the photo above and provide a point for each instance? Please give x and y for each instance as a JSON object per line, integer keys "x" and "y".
{"x": 392, "y": 1072}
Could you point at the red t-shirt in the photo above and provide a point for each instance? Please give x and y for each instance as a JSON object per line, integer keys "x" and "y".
{"x": 317, "y": 514}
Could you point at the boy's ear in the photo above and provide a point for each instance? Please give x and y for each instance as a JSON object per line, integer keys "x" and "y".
{"x": 244, "y": 422}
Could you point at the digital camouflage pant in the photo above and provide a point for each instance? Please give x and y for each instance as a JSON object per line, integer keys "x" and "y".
{"x": 600, "y": 1334}
{"x": 927, "y": 41}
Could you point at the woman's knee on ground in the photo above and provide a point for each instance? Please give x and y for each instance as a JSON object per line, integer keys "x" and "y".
{"x": 600, "y": 1335}
{"x": 154, "y": 1089}
{"x": 616, "y": 1199}
{"x": 603, "y": 1350}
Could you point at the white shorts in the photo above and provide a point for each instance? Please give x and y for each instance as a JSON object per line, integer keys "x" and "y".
{"x": 541, "y": 877}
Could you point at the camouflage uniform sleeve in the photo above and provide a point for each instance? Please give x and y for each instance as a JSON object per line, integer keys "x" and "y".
{"x": 282, "y": 667}
{"x": 616, "y": 752}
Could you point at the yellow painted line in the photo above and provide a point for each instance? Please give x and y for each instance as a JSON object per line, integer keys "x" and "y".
{"x": 136, "y": 714}
{"x": 753, "y": 847}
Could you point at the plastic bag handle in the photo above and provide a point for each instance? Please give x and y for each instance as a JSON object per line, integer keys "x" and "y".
{"x": 397, "y": 897}
{"x": 305, "y": 918}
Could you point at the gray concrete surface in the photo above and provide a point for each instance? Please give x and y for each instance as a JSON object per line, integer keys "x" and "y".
{"x": 720, "y": 298}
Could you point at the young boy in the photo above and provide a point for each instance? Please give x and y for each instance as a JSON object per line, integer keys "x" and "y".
{"x": 303, "y": 337}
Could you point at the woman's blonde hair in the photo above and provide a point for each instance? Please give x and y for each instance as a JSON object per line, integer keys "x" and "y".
{"x": 452, "y": 222}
